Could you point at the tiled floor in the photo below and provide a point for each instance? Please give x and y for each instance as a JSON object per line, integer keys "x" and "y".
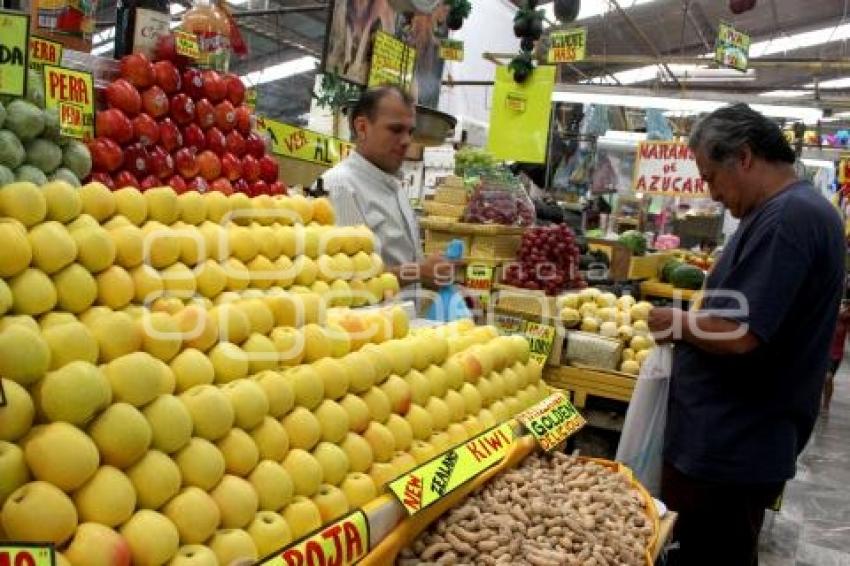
{"x": 813, "y": 527}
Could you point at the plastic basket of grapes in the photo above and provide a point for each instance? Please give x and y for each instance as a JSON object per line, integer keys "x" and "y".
{"x": 500, "y": 200}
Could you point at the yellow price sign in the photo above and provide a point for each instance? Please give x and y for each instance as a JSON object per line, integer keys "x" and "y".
{"x": 72, "y": 93}
{"x": 568, "y": 46}
{"x": 552, "y": 420}
{"x": 540, "y": 338}
{"x": 24, "y": 554}
{"x": 186, "y": 44}
{"x": 451, "y": 50}
{"x": 44, "y": 52}
{"x": 306, "y": 145}
{"x": 14, "y": 43}
{"x": 516, "y": 102}
{"x": 393, "y": 62}
{"x": 343, "y": 543}
{"x": 436, "y": 478}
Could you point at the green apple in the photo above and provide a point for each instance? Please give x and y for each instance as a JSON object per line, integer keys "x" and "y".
{"x": 305, "y": 471}
{"x": 24, "y": 517}
{"x": 359, "y": 489}
{"x": 270, "y": 532}
{"x": 303, "y": 428}
{"x": 273, "y": 485}
{"x": 331, "y": 502}
{"x": 379, "y": 404}
{"x": 152, "y": 537}
{"x": 61, "y": 454}
{"x": 122, "y": 435}
{"x": 302, "y": 516}
{"x": 333, "y": 460}
{"x": 212, "y": 413}
{"x": 195, "y": 514}
{"x": 237, "y": 501}
{"x": 358, "y": 451}
{"x": 107, "y": 498}
{"x": 201, "y": 464}
{"x": 381, "y": 440}
{"x": 279, "y": 392}
{"x": 240, "y": 452}
{"x": 155, "y": 478}
{"x": 401, "y": 430}
{"x": 271, "y": 439}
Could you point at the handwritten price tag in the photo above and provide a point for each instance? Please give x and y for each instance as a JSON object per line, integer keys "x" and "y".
{"x": 552, "y": 421}
{"x": 540, "y": 338}
{"x": 568, "y": 46}
{"x": 23, "y": 554}
{"x": 186, "y": 44}
{"x": 44, "y": 52}
{"x": 72, "y": 93}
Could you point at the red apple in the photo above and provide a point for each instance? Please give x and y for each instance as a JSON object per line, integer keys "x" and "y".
{"x": 216, "y": 141}
{"x": 169, "y": 135}
{"x": 145, "y": 129}
{"x": 231, "y": 166}
{"x": 235, "y": 89}
{"x": 205, "y": 113}
{"x": 278, "y": 188}
{"x": 225, "y": 116}
{"x": 103, "y": 178}
{"x": 243, "y": 120}
{"x": 209, "y": 165}
{"x": 260, "y": 188}
{"x": 126, "y": 179}
{"x": 198, "y": 184}
{"x": 112, "y": 123}
{"x": 122, "y": 95}
{"x": 269, "y": 168}
{"x": 155, "y": 102}
{"x": 106, "y": 154}
{"x": 250, "y": 169}
{"x": 182, "y": 109}
{"x": 241, "y": 186}
{"x": 137, "y": 69}
{"x": 255, "y": 145}
{"x": 177, "y": 183}
{"x": 193, "y": 83}
{"x": 222, "y": 185}
{"x": 215, "y": 88}
{"x": 160, "y": 163}
{"x": 193, "y": 137}
{"x": 136, "y": 160}
{"x": 150, "y": 182}
{"x": 235, "y": 143}
{"x": 166, "y": 51}
{"x": 167, "y": 76}
{"x": 185, "y": 162}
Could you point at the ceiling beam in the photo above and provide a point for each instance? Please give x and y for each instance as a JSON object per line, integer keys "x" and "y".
{"x": 645, "y": 39}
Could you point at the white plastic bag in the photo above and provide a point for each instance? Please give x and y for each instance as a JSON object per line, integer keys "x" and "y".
{"x": 642, "y": 441}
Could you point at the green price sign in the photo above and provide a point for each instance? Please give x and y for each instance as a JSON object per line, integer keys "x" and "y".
{"x": 552, "y": 420}
{"x": 14, "y": 52}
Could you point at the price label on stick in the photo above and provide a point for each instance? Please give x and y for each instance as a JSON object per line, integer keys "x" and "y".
{"x": 72, "y": 94}
{"x": 343, "y": 543}
{"x": 552, "y": 420}
{"x": 26, "y": 554}
{"x": 436, "y": 478}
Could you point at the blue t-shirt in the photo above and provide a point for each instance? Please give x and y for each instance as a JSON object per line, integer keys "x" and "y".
{"x": 745, "y": 418}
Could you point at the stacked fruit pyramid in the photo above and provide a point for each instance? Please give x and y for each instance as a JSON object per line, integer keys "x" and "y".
{"x": 187, "y": 128}
{"x": 167, "y": 406}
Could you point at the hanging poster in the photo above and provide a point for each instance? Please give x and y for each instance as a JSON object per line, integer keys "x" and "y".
{"x": 732, "y": 48}
{"x": 667, "y": 168}
{"x": 519, "y": 115}
{"x": 393, "y": 62}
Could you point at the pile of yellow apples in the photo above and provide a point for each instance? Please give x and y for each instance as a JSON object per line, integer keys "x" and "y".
{"x": 165, "y": 406}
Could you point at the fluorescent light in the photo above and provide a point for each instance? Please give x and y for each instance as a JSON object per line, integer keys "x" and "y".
{"x": 800, "y": 40}
{"x": 102, "y": 49}
{"x": 281, "y": 71}
{"x": 103, "y": 35}
{"x": 592, "y": 8}
{"x": 786, "y": 93}
{"x": 818, "y": 163}
{"x": 639, "y": 74}
{"x": 842, "y": 82}
{"x": 177, "y": 9}
{"x": 806, "y": 114}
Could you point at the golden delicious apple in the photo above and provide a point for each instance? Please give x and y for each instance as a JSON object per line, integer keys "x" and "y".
{"x": 212, "y": 413}
{"x": 134, "y": 378}
{"x": 271, "y": 439}
{"x": 249, "y": 401}
{"x": 24, "y": 355}
{"x": 358, "y": 451}
{"x": 70, "y": 342}
{"x": 24, "y": 517}
{"x": 333, "y": 460}
{"x": 152, "y": 537}
{"x": 334, "y": 375}
{"x": 195, "y": 514}
{"x": 359, "y": 489}
{"x": 333, "y": 420}
{"x": 107, "y": 498}
{"x": 381, "y": 440}
{"x": 472, "y": 399}
{"x": 289, "y": 344}
{"x": 305, "y": 471}
{"x": 401, "y": 431}
{"x": 236, "y": 500}
{"x": 229, "y": 362}
{"x": 307, "y": 385}
{"x": 331, "y": 502}
{"x": 303, "y": 428}
{"x": 240, "y": 452}
{"x": 302, "y": 516}
{"x": 156, "y": 479}
{"x": 273, "y": 485}
{"x": 279, "y": 392}
{"x": 456, "y": 404}
{"x": 74, "y": 393}
{"x": 17, "y": 415}
{"x": 440, "y": 413}
{"x": 117, "y": 335}
{"x": 379, "y": 402}
{"x": 170, "y": 422}
{"x": 201, "y": 464}
{"x": 61, "y": 454}
{"x": 122, "y": 435}
{"x": 420, "y": 422}
{"x": 13, "y": 470}
{"x": 233, "y": 323}
{"x": 270, "y": 532}
{"x": 199, "y": 329}
{"x": 53, "y": 248}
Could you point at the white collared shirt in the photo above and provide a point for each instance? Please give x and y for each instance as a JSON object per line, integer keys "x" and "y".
{"x": 364, "y": 194}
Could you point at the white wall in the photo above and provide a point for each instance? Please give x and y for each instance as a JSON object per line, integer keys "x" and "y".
{"x": 489, "y": 28}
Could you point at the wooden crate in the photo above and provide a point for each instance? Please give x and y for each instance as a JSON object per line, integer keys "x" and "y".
{"x": 648, "y": 266}
{"x": 496, "y": 247}
{"x": 434, "y": 208}
{"x": 582, "y": 382}
{"x": 619, "y": 255}
{"x": 451, "y": 195}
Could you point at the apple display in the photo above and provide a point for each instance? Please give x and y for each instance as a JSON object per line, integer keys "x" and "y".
{"x": 152, "y": 537}
{"x": 155, "y": 478}
{"x": 61, "y": 454}
{"x": 305, "y": 471}
{"x": 195, "y": 514}
{"x": 201, "y": 464}
{"x": 273, "y": 485}
{"x": 24, "y": 518}
{"x": 359, "y": 452}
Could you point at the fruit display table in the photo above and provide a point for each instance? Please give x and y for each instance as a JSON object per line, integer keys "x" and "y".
{"x": 661, "y": 290}
{"x": 582, "y": 382}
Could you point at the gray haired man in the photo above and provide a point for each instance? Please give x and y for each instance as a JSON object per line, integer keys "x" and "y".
{"x": 749, "y": 364}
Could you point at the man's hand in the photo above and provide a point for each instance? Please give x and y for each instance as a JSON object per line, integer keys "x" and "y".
{"x": 437, "y": 270}
{"x": 666, "y": 324}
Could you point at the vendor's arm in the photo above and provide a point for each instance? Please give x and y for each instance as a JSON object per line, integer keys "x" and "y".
{"x": 713, "y": 334}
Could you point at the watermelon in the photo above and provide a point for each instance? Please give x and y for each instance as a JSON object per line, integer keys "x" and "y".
{"x": 687, "y": 276}
{"x": 668, "y": 269}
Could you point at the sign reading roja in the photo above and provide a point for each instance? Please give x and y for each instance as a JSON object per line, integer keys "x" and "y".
{"x": 306, "y": 145}
{"x": 667, "y": 168}
{"x": 26, "y": 554}
{"x": 342, "y": 543}
{"x": 72, "y": 93}
{"x": 423, "y": 486}
{"x": 552, "y": 420}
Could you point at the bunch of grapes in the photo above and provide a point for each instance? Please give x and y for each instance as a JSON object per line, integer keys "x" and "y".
{"x": 547, "y": 260}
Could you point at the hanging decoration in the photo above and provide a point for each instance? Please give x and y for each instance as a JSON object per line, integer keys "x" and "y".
{"x": 528, "y": 27}
{"x": 567, "y": 11}
{"x": 459, "y": 10}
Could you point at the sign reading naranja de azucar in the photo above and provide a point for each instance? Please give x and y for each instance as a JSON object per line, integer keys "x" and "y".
{"x": 669, "y": 169}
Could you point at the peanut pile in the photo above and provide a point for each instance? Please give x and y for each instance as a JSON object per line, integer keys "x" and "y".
{"x": 553, "y": 510}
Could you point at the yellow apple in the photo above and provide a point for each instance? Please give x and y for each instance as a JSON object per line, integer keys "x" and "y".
{"x": 129, "y": 246}
{"x": 53, "y": 248}
{"x": 230, "y": 362}
{"x": 273, "y": 485}
{"x": 24, "y": 355}
{"x": 333, "y": 460}
{"x": 19, "y": 255}
{"x": 74, "y": 393}
{"x": 473, "y": 426}
{"x": 290, "y": 345}
{"x": 97, "y": 545}
{"x": 359, "y": 452}
{"x": 303, "y": 428}
{"x": 358, "y": 412}
{"x": 333, "y": 420}
{"x": 122, "y": 435}
{"x": 399, "y": 392}
{"x": 302, "y": 516}
{"x": 420, "y": 387}
{"x": 236, "y": 500}
{"x": 379, "y": 328}
{"x": 403, "y": 463}
{"x": 399, "y": 354}
{"x": 240, "y": 452}
{"x": 440, "y": 413}
{"x": 17, "y": 415}
{"x": 249, "y": 401}
{"x": 212, "y": 413}
{"x": 331, "y": 502}
{"x": 420, "y": 422}
{"x": 24, "y": 518}
{"x": 134, "y": 378}
{"x": 201, "y": 464}
{"x": 156, "y": 479}
{"x": 271, "y": 439}
{"x": 233, "y": 323}
{"x": 535, "y": 372}
{"x": 195, "y": 514}
{"x": 359, "y": 489}
{"x": 13, "y": 470}
{"x": 456, "y": 404}
{"x": 401, "y": 431}
{"x": 152, "y": 537}
{"x": 382, "y": 473}
{"x": 381, "y": 440}
{"x": 438, "y": 380}
{"x": 107, "y": 498}
{"x": 334, "y": 375}
{"x": 270, "y": 532}
{"x": 219, "y": 207}
{"x": 457, "y": 433}
{"x": 486, "y": 390}
{"x": 33, "y": 292}
{"x": 422, "y": 451}
{"x": 472, "y": 399}
{"x": 193, "y": 555}
{"x": 305, "y": 471}
{"x": 63, "y": 201}
{"x": 279, "y": 392}
{"x": 499, "y": 411}
{"x": 379, "y": 403}
{"x": 61, "y": 454}
{"x": 307, "y": 385}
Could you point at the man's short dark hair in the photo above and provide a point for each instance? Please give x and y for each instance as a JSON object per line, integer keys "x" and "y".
{"x": 725, "y": 131}
{"x": 367, "y": 104}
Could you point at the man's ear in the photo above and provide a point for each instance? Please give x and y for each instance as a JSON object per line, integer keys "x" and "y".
{"x": 359, "y": 124}
{"x": 745, "y": 157}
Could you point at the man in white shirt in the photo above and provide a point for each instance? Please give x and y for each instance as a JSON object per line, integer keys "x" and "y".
{"x": 365, "y": 187}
